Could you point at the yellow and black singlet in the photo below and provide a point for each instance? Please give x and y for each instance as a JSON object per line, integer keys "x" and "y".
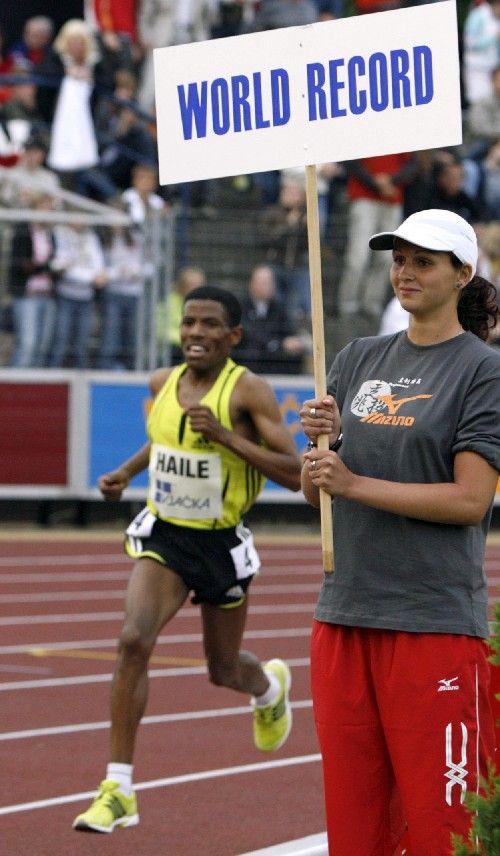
{"x": 195, "y": 482}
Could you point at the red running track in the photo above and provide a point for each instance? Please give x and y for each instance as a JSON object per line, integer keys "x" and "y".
{"x": 202, "y": 786}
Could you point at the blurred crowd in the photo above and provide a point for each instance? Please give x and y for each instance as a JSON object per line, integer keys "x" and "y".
{"x": 77, "y": 119}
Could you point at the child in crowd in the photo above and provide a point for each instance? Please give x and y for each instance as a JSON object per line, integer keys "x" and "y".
{"x": 79, "y": 262}
{"x": 121, "y": 297}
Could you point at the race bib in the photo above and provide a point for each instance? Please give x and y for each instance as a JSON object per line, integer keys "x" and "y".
{"x": 245, "y": 557}
{"x": 185, "y": 485}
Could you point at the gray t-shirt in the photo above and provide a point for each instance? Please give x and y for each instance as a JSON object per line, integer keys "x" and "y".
{"x": 406, "y": 411}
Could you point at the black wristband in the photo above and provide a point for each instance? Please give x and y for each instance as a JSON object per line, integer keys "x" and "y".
{"x": 338, "y": 442}
{"x": 333, "y": 448}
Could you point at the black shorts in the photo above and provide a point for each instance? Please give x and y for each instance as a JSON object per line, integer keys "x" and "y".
{"x": 202, "y": 558}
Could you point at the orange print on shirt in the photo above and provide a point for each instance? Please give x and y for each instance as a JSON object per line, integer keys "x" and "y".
{"x": 393, "y": 404}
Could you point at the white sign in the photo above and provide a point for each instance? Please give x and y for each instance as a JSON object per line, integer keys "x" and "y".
{"x": 333, "y": 91}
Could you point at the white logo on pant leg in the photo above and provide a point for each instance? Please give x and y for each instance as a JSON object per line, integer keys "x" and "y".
{"x": 447, "y": 684}
{"x": 456, "y": 773}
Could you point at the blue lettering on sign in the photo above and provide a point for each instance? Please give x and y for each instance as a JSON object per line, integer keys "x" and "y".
{"x": 424, "y": 84}
{"x": 240, "y": 90}
{"x": 219, "y": 92}
{"x": 379, "y": 82}
{"x": 194, "y": 107}
{"x": 400, "y": 66}
{"x": 335, "y": 86}
{"x": 236, "y": 104}
{"x": 400, "y": 79}
{"x": 357, "y": 100}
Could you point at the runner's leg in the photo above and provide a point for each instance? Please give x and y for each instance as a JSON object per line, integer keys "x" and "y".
{"x": 228, "y": 666}
{"x": 154, "y": 595}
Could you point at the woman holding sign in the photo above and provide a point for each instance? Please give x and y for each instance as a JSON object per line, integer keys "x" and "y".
{"x": 400, "y": 673}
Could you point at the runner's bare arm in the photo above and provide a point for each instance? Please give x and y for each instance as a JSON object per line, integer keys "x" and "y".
{"x": 113, "y": 484}
{"x": 254, "y": 404}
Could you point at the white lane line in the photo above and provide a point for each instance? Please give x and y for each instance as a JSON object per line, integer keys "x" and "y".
{"x": 200, "y": 776}
{"x": 185, "y": 716}
{"x": 311, "y": 845}
{"x": 258, "y": 590}
{"x": 58, "y": 559}
{"x": 115, "y": 576}
{"x": 78, "y": 680}
{"x": 69, "y": 577}
{"x": 80, "y": 617}
{"x": 280, "y": 554}
{"x": 171, "y": 639}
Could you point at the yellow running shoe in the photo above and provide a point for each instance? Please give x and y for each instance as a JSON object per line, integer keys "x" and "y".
{"x": 110, "y": 808}
{"x": 272, "y": 724}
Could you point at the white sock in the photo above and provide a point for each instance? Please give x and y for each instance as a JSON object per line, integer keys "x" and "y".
{"x": 272, "y": 692}
{"x": 121, "y": 773}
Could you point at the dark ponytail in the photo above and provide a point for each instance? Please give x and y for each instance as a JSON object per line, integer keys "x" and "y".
{"x": 477, "y": 307}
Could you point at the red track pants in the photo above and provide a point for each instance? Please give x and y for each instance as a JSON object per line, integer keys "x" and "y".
{"x": 404, "y": 723}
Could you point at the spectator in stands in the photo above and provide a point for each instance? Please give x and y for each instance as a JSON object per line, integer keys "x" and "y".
{"x": 233, "y": 18}
{"x": 326, "y": 173}
{"x": 123, "y": 138}
{"x": 365, "y": 7}
{"x": 79, "y": 263}
{"x": 113, "y": 16}
{"x": 169, "y": 313}
{"x": 29, "y": 51}
{"x": 120, "y": 296}
{"x": 141, "y": 199}
{"x": 483, "y": 119}
{"x": 6, "y": 65}
{"x": 329, "y": 10}
{"x": 156, "y": 29}
{"x": 491, "y": 181}
{"x": 489, "y": 266}
{"x": 375, "y": 189}
{"x": 417, "y": 191}
{"x": 162, "y": 23}
{"x": 116, "y": 53}
{"x": 31, "y": 285}
{"x": 29, "y": 176}
{"x": 284, "y": 240}
{"x": 270, "y": 344}
{"x": 80, "y": 52}
{"x": 19, "y": 118}
{"x": 273, "y": 14}
{"x": 481, "y": 49}
{"x": 448, "y": 189}
{"x": 72, "y": 66}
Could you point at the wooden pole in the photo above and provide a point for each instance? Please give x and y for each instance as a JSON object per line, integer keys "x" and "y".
{"x": 318, "y": 338}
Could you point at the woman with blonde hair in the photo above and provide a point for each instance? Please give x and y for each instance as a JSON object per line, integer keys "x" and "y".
{"x": 72, "y": 68}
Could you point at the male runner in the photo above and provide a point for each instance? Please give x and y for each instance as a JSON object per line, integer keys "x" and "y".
{"x": 215, "y": 435}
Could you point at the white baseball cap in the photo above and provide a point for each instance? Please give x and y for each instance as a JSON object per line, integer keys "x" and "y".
{"x": 434, "y": 229}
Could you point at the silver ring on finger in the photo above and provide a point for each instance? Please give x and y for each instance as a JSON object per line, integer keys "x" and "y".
{"x": 313, "y": 412}
{"x": 313, "y": 465}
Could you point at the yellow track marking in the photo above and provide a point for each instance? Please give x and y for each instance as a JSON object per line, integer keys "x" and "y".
{"x": 108, "y": 655}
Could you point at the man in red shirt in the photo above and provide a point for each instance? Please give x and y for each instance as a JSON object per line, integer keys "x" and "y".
{"x": 375, "y": 193}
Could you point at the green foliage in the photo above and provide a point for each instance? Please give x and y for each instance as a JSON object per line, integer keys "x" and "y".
{"x": 485, "y": 807}
{"x": 495, "y": 638}
{"x": 485, "y": 831}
